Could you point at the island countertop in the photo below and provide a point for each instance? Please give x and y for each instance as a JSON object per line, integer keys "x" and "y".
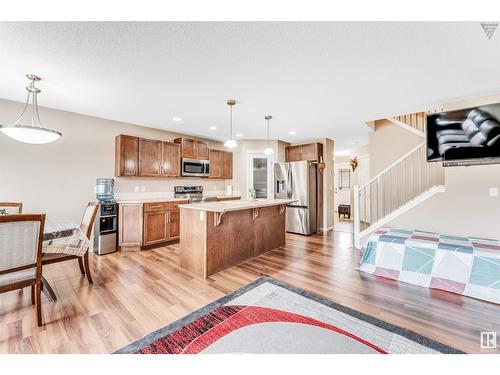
{"x": 227, "y": 206}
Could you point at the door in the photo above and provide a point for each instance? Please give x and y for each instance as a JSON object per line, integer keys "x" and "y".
{"x": 155, "y": 227}
{"x": 171, "y": 160}
{"x": 281, "y": 190}
{"x": 127, "y": 153}
{"x": 309, "y": 152}
{"x": 260, "y": 174}
{"x": 298, "y": 220}
{"x": 202, "y": 150}
{"x": 293, "y": 153}
{"x": 299, "y": 181}
{"x": 188, "y": 148}
{"x": 227, "y": 165}
{"x": 343, "y": 184}
{"x": 215, "y": 164}
{"x": 174, "y": 224}
{"x": 150, "y": 157}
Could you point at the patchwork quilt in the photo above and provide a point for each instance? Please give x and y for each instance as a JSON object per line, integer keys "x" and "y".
{"x": 469, "y": 266}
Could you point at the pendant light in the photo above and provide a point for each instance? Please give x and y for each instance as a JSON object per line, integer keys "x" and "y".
{"x": 31, "y": 131}
{"x": 231, "y": 143}
{"x": 268, "y": 150}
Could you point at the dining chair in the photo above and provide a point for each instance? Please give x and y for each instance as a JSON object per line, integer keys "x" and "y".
{"x": 8, "y": 208}
{"x": 21, "y": 238}
{"x": 86, "y": 227}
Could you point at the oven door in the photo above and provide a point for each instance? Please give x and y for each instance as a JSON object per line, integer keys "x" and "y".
{"x": 195, "y": 168}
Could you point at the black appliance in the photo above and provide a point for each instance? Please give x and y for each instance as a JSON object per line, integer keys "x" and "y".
{"x": 106, "y": 221}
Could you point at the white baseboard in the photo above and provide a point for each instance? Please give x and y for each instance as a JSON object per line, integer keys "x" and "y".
{"x": 326, "y": 229}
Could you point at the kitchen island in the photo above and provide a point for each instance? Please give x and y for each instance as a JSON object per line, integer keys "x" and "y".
{"x": 218, "y": 235}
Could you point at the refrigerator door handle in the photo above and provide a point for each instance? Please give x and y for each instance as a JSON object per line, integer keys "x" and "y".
{"x": 289, "y": 182}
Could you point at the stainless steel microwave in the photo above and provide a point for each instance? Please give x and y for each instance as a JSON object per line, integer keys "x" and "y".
{"x": 195, "y": 168}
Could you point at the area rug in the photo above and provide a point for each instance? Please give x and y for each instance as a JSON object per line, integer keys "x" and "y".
{"x": 271, "y": 317}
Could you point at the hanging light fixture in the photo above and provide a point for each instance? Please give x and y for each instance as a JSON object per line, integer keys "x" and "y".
{"x": 31, "y": 131}
{"x": 231, "y": 143}
{"x": 268, "y": 150}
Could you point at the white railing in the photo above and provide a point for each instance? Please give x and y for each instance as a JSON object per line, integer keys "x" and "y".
{"x": 402, "y": 182}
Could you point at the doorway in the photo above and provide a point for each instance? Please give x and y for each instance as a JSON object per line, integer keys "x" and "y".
{"x": 260, "y": 174}
{"x": 343, "y": 182}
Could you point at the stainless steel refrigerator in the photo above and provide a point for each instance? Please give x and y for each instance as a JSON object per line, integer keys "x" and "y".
{"x": 297, "y": 180}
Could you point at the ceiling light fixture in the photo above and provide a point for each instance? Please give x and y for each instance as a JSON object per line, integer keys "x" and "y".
{"x": 239, "y": 135}
{"x": 231, "y": 143}
{"x": 292, "y": 132}
{"x": 268, "y": 150}
{"x": 177, "y": 119}
{"x": 212, "y": 128}
{"x": 32, "y": 133}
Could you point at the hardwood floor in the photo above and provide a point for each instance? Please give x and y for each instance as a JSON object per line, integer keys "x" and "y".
{"x": 137, "y": 292}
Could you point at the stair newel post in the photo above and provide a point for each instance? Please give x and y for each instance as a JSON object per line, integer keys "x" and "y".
{"x": 357, "y": 241}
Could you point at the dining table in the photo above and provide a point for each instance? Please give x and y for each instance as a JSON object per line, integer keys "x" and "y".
{"x": 62, "y": 232}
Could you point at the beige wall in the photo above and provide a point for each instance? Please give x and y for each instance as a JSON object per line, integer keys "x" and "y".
{"x": 58, "y": 178}
{"x": 328, "y": 185}
{"x": 464, "y": 209}
{"x": 387, "y": 144}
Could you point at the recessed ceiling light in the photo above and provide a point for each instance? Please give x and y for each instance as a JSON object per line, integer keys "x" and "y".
{"x": 212, "y": 128}
{"x": 177, "y": 119}
{"x": 292, "y": 132}
{"x": 239, "y": 135}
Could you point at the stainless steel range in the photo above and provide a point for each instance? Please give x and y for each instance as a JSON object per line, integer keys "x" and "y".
{"x": 194, "y": 194}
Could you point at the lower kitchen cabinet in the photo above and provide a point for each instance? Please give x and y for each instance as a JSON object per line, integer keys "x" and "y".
{"x": 147, "y": 224}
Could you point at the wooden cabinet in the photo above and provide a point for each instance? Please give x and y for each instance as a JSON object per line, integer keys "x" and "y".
{"x": 142, "y": 157}
{"x": 150, "y": 157}
{"x": 221, "y": 164}
{"x": 202, "y": 150}
{"x": 155, "y": 227}
{"x": 227, "y": 165}
{"x": 130, "y": 225}
{"x": 193, "y": 149}
{"x": 310, "y": 151}
{"x": 148, "y": 224}
{"x": 215, "y": 164}
{"x": 174, "y": 224}
{"x": 171, "y": 159}
{"x": 228, "y": 198}
{"x": 292, "y": 153}
{"x": 126, "y": 156}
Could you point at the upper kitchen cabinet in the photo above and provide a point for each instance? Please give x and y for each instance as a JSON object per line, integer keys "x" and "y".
{"x": 150, "y": 157}
{"x": 171, "y": 159}
{"x": 221, "y": 164}
{"x": 309, "y": 151}
{"x": 193, "y": 149}
{"x": 126, "y": 156}
{"x": 136, "y": 156}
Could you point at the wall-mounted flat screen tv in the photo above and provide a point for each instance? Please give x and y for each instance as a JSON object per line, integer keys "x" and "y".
{"x": 467, "y": 136}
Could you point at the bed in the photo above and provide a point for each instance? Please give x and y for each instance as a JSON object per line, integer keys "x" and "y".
{"x": 469, "y": 266}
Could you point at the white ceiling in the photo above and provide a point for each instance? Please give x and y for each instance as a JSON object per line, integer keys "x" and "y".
{"x": 319, "y": 79}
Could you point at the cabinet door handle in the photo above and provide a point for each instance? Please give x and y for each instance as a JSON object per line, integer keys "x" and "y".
{"x": 168, "y": 218}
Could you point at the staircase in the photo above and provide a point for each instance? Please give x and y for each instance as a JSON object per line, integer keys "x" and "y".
{"x": 403, "y": 185}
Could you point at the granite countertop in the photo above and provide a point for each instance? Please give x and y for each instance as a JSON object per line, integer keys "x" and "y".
{"x": 149, "y": 200}
{"x": 157, "y": 200}
{"x": 227, "y": 206}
